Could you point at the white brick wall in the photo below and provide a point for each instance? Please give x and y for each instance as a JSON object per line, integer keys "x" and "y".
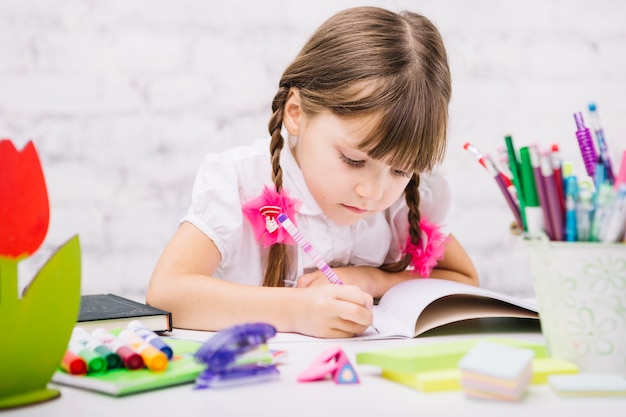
{"x": 123, "y": 97}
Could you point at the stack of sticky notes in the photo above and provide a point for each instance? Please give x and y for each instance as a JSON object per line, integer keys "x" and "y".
{"x": 432, "y": 367}
{"x": 496, "y": 371}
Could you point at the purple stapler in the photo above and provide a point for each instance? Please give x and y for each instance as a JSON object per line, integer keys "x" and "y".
{"x": 236, "y": 356}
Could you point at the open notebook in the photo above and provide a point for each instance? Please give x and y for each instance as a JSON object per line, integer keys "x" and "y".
{"x": 416, "y": 306}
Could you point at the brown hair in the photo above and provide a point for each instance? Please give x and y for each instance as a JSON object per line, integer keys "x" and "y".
{"x": 369, "y": 60}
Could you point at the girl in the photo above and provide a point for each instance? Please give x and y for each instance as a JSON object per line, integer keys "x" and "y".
{"x": 357, "y": 130}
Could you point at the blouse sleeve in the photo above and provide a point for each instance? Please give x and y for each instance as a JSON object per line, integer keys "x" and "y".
{"x": 214, "y": 199}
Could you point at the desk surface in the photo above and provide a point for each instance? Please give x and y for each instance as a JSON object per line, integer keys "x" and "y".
{"x": 374, "y": 396}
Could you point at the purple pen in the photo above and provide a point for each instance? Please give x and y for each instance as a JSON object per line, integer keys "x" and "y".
{"x": 308, "y": 248}
{"x": 552, "y": 195}
{"x": 602, "y": 146}
{"x": 533, "y": 153}
{"x": 585, "y": 143}
{"x": 504, "y": 183}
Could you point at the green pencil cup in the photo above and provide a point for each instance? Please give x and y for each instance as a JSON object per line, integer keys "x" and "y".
{"x": 581, "y": 292}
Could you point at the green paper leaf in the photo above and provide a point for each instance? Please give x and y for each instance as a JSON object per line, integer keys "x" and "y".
{"x": 40, "y": 324}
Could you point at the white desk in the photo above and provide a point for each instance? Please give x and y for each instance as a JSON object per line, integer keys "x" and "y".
{"x": 374, "y": 396}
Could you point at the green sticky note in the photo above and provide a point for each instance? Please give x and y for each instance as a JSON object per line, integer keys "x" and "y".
{"x": 435, "y": 356}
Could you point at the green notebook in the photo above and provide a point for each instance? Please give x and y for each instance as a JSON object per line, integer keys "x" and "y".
{"x": 183, "y": 368}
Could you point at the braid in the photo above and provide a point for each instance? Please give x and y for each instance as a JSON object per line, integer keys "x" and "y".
{"x": 412, "y": 197}
{"x": 276, "y": 145}
{"x": 278, "y": 259}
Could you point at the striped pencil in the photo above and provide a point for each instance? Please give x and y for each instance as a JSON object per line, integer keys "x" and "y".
{"x": 308, "y": 249}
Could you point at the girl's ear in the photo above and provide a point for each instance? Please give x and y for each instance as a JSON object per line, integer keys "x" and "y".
{"x": 293, "y": 112}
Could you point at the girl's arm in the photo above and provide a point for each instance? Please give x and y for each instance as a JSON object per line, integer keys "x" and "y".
{"x": 455, "y": 266}
{"x": 182, "y": 283}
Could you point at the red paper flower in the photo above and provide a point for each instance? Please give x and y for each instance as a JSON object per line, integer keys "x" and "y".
{"x": 430, "y": 248}
{"x": 261, "y": 212}
{"x": 24, "y": 207}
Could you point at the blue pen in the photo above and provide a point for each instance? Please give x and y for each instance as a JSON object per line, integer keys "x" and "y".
{"x": 571, "y": 195}
{"x": 602, "y": 146}
{"x": 599, "y": 176}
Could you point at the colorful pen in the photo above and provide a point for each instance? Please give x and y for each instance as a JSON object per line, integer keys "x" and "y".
{"x": 621, "y": 175}
{"x": 600, "y": 139}
{"x": 571, "y": 195}
{"x": 604, "y": 206}
{"x": 584, "y": 209}
{"x": 308, "y": 248}
{"x": 504, "y": 183}
{"x": 615, "y": 225}
{"x": 585, "y": 143}
{"x": 556, "y": 216}
{"x": 557, "y": 169}
{"x": 533, "y": 154}
{"x": 515, "y": 176}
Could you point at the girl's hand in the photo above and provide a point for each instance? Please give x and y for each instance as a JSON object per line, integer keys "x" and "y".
{"x": 332, "y": 311}
{"x": 368, "y": 278}
{"x": 312, "y": 278}
{"x": 361, "y": 276}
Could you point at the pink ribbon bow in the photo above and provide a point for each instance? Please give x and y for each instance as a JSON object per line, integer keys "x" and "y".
{"x": 430, "y": 248}
{"x": 261, "y": 212}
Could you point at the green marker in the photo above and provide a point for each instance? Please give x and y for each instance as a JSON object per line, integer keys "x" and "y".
{"x": 96, "y": 364}
{"x": 534, "y": 212}
{"x": 83, "y": 337}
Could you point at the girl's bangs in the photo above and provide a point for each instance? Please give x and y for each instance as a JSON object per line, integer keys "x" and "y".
{"x": 408, "y": 135}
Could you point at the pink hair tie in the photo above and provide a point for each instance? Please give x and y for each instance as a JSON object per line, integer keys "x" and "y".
{"x": 429, "y": 249}
{"x": 262, "y": 211}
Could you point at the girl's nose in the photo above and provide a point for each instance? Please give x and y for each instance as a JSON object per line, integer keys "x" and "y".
{"x": 371, "y": 188}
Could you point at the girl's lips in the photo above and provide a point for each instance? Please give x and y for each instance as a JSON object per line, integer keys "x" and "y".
{"x": 354, "y": 209}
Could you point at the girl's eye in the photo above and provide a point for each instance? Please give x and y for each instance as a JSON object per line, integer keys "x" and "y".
{"x": 352, "y": 162}
{"x": 400, "y": 173}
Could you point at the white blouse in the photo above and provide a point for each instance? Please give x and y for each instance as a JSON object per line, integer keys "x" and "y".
{"x": 228, "y": 180}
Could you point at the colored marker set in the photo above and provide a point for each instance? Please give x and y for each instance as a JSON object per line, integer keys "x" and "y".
{"x": 135, "y": 347}
{"x": 545, "y": 196}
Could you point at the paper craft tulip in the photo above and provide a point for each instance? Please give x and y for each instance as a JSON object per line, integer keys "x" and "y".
{"x": 37, "y": 326}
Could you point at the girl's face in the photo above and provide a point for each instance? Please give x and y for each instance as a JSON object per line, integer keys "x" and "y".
{"x": 345, "y": 182}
